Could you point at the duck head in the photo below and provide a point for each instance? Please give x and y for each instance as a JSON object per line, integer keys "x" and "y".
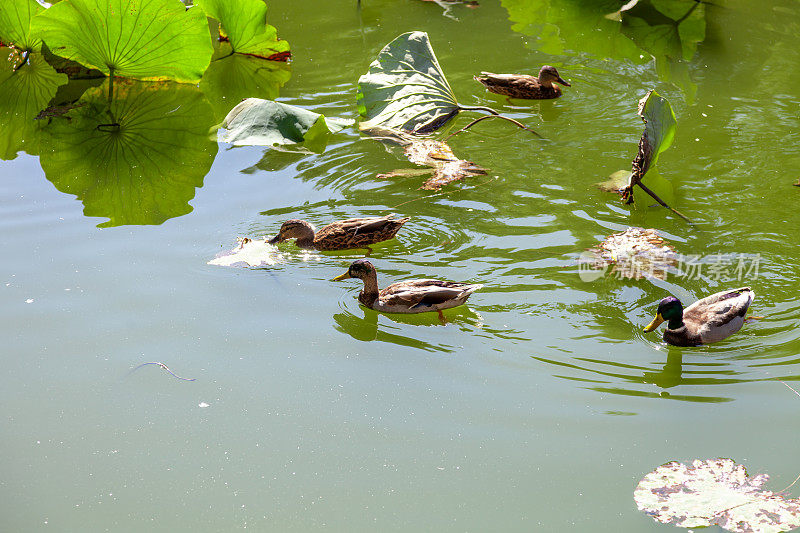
{"x": 294, "y": 229}
{"x": 548, "y": 75}
{"x": 360, "y": 268}
{"x": 671, "y": 309}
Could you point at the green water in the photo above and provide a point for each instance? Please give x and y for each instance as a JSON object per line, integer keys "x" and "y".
{"x": 539, "y": 406}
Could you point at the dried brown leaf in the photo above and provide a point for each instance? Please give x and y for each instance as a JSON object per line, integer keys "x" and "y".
{"x": 634, "y": 254}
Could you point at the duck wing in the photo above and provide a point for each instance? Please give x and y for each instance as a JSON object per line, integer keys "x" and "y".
{"x": 719, "y": 309}
{"x": 355, "y": 232}
{"x": 420, "y": 294}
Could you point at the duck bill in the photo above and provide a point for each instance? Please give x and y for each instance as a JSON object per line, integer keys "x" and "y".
{"x": 275, "y": 240}
{"x": 654, "y": 324}
{"x": 562, "y": 81}
{"x": 346, "y": 275}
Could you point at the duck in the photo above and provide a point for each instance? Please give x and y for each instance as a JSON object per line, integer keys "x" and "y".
{"x": 410, "y": 296}
{"x": 342, "y": 234}
{"x": 708, "y": 320}
{"x": 525, "y": 86}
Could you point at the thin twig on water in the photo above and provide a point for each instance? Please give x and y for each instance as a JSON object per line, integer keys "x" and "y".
{"x": 162, "y": 365}
{"x": 519, "y": 124}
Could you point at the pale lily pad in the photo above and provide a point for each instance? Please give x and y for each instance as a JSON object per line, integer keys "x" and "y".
{"x": 141, "y": 39}
{"x": 405, "y": 88}
{"x": 245, "y": 25}
{"x": 15, "y": 24}
{"x": 633, "y": 254}
{"x": 257, "y": 122}
{"x": 250, "y": 253}
{"x": 715, "y": 492}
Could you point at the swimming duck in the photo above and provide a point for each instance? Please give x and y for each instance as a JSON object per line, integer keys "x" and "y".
{"x": 523, "y": 85}
{"x": 342, "y": 234}
{"x": 708, "y": 320}
{"x": 410, "y": 296}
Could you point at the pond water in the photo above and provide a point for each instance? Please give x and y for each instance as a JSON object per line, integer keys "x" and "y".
{"x": 539, "y": 406}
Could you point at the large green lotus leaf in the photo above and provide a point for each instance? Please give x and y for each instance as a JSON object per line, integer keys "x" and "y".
{"x": 245, "y": 25}
{"x": 22, "y": 95}
{"x": 659, "y": 124}
{"x": 659, "y": 131}
{"x": 405, "y": 89}
{"x": 562, "y": 26}
{"x": 231, "y": 78}
{"x": 15, "y": 23}
{"x": 146, "y": 169}
{"x": 142, "y": 39}
{"x": 257, "y": 122}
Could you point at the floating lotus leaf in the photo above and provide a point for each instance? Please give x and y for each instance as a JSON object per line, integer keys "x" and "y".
{"x": 715, "y": 492}
{"x": 142, "y": 39}
{"x": 15, "y": 24}
{"x": 245, "y": 25}
{"x": 22, "y": 95}
{"x": 256, "y": 122}
{"x": 633, "y": 254}
{"x": 405, "y": 89}
{"x": 231, "y": 78}
{"x": 137, "y": 161}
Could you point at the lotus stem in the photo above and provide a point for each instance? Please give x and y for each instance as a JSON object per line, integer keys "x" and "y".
{"x": 518, "y": 124}
{"x": 478, "y": 108}
{"x": 659, "y": 200}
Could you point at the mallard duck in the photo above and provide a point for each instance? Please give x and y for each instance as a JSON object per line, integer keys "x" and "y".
{"x": 523, "y": 85}
{"x": 342, "y": 234}
{"x": 410, "y": 296}
{"x": 708, "y": 320}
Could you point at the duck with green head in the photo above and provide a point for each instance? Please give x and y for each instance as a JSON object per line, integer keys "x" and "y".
{"x": 708, "y": 320}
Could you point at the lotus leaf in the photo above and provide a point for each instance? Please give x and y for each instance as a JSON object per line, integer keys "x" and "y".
{"x": 715, "y": 492}
{"x": 137, "y": 161}
{"x": 405, "y": 89}
{"x": 245, "y": 25}
{"x": 659, "y": 131}
{"x": 256, "y": 122}
{"x": 15, "y": 23}
{"x": 141, "y": 39}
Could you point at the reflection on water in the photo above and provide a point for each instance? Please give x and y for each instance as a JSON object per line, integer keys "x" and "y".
{"x": 137, "y": 159}
{"x": 669, "y": 32}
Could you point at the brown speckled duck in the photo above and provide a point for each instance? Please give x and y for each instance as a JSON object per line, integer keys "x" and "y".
{"x": 708, "y": 320}
{"x": 410, "y": 296}
{"x": 523, "y": 85}
{"x": 342, "y": 234}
